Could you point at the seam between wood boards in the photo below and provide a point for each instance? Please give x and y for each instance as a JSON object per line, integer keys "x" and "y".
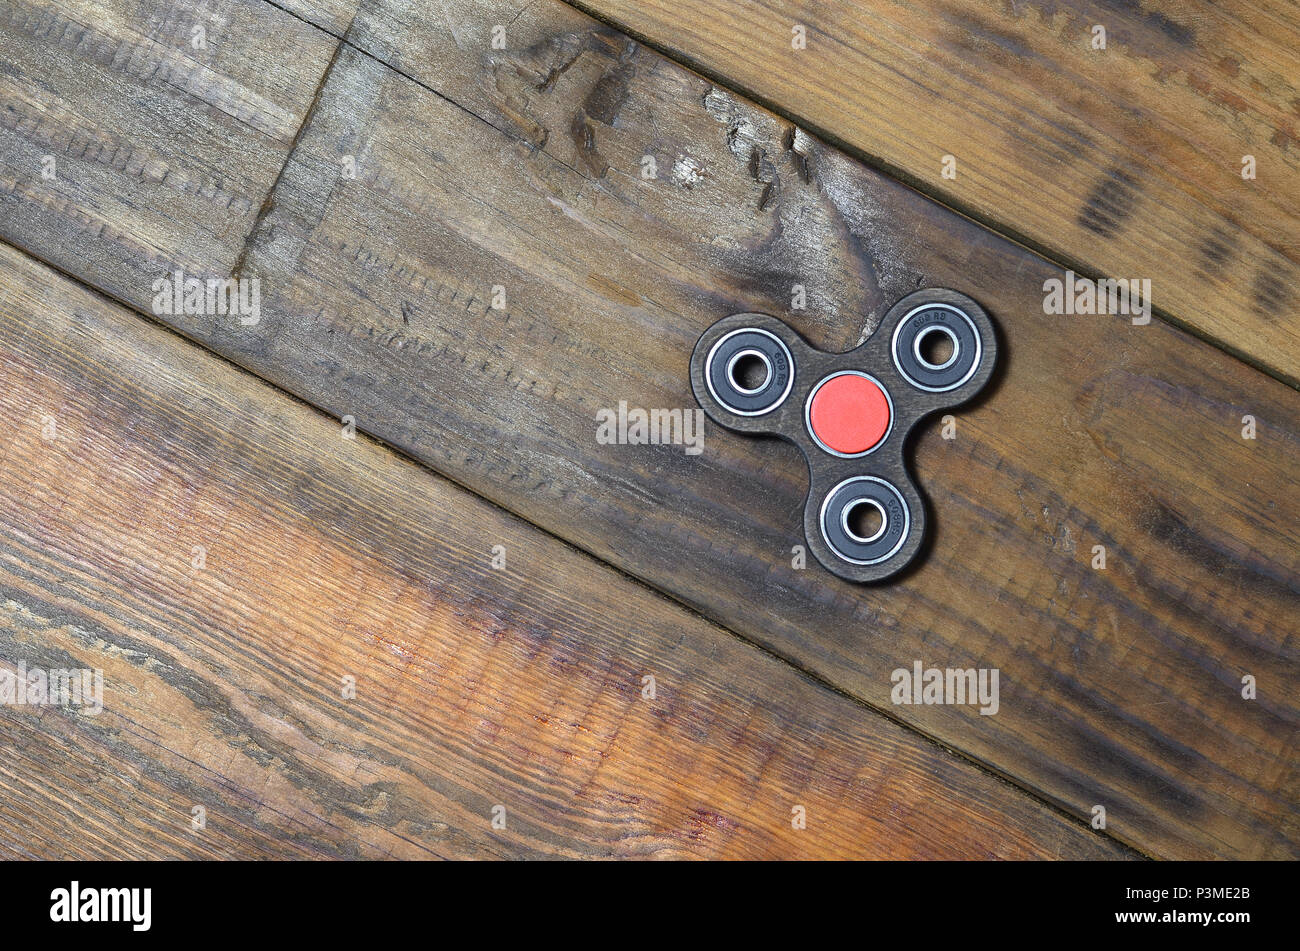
{"x": 268, "y": 203}
{"x": 1013, "y": 784}
{"x": 917, "y": 184}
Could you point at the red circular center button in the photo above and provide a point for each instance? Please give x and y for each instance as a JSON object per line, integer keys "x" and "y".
{"x": 849, "y": 413}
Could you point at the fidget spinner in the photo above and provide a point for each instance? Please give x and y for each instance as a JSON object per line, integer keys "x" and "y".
{"x": 850, "y": 413}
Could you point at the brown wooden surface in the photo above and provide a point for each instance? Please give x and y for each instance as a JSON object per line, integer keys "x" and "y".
{"x": 475, "y": 687}
{"x": 163, "y": 153}
{"x": 521, "y": 168}
{"x": 1124, "y": 161}
{"x": 1123, "y": 680}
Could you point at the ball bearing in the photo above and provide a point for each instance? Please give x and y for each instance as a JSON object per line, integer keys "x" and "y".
{"x": 874, "y": 493}
{"x": 920, "y": 325}
{"x": 727, "y": 356}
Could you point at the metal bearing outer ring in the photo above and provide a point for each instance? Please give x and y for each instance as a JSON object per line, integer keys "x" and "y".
{"x": 870, "y": 490}
{"x": 954, "y": 323}
{"x": 774, "y": 354}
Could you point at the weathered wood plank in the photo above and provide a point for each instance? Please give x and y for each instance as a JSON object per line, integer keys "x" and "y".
{"x": 1122, "y": 686}
{"x": 1127, "y": 160}
{"x": 131, "y": 145}
{"x": 323, "y": 557}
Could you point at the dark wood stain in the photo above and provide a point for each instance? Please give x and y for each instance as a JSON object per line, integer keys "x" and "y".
{"x": 1273, "y": 293}
{"x": 1110, "y": 204}
{"x": 1218, "y": 249}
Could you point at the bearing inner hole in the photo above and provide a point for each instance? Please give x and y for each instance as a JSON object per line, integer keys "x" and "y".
{"x": 749, "y": 371}
{"x": 936, "y": 347}
{"x": 864, "y": 520}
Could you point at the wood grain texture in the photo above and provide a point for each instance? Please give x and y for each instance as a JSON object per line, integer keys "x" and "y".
{"x": 1125, "y": 161}
{"x": 476, "y": 687}
{"x": 162, "y": 153}
{"x": 521, "y": 168}
{"x": 1121, "y": 686}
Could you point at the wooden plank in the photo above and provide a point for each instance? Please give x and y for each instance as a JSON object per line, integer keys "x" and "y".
{"x": 475, "y": 687}
{"x": 128, "y": 150}
{"x": 1126, "y": 162}
{"x": 1122, "y": 686}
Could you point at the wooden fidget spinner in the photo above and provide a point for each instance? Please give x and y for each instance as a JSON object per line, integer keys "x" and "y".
{"x": 850, "y": 413}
